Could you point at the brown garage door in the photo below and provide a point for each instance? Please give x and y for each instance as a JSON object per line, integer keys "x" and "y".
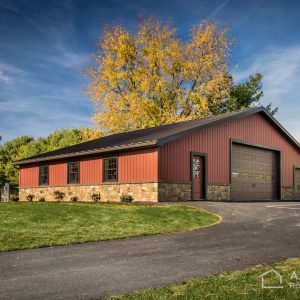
{"x": 297, "y": 184}
{"x": 254, "y": 173}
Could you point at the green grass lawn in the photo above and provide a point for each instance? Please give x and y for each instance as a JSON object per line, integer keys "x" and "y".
{"x": 33, "y": 225}
{"x": 245, "y": 284}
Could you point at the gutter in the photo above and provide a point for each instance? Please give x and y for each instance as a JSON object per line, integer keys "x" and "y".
{"x": 84, "y": 153}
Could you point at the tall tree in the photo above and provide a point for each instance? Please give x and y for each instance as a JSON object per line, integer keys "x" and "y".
{"x": 152, "y": 77}
{"x": 247, "y": 94}
{"x": 8, "y": 152}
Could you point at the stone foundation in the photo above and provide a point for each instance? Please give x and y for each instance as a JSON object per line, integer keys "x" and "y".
{"x": 218, "y": 192}
{"x": 174, "y": 192}
{"x": 146, "y": 192}
{"x": 287, "y": 193}
{"x": 108, "y": 192}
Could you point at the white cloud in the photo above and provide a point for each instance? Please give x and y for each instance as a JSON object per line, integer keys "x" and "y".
{"x": 9, "y": 72}
{"x": 67, "y": 58}
{"x": 9, "y": 6}
{"x": 4, "y": 78}
{"x": 32, "y": 106}
{"x": 281, "y": 82}
{"x": 219, "y": 8}
{"x": 42, "y": 92}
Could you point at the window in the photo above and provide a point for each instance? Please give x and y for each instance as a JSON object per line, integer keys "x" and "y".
{"x": 44, "y": 175}
{"x": 110, "y": 169}
{"x": 259, "y": 176}
{"x": 235, "y": 175}
{"x": 196, "y": 167}
{"x": 73, "y": 172}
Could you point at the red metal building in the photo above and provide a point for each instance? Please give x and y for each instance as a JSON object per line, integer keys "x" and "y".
{"x": 245, "y": 155}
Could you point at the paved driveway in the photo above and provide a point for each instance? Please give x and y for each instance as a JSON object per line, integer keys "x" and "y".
{"x": 251, "y": 233}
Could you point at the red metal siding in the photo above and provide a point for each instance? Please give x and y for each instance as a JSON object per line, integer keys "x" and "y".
{"x": 29, "y": 177}
{"x": 91, "y": 171}
{"x": 139, "y": 165}
{"x": 215, "y": 141}
{"x": 58, "y": 174}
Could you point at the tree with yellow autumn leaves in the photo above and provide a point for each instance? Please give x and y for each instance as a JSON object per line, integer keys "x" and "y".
{"x": 152, "y": 77}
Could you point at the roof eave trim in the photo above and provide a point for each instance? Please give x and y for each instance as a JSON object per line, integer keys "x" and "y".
{"x": 282, "y": 128}
{"x": 84, "y": 153}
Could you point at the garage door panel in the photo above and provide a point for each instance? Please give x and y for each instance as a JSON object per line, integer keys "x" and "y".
{"x": 254, "y": 173}
{"x": 246, "y": 185}
{"x": 261, "y": 159}
{"x": 248, "y": 167}
{"x": 259, "y": 167}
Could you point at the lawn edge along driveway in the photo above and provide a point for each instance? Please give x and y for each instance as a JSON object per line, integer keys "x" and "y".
{"x": 35, "y": 225}
{"x": 240, "y": 284}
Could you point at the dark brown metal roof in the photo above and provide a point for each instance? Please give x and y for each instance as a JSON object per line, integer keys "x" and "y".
{"x": 149, "y": 137}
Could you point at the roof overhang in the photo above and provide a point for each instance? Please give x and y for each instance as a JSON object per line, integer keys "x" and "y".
{"x": 88, "y": 152}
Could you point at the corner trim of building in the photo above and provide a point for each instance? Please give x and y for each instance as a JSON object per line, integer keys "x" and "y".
{"x": 296, "y": 167}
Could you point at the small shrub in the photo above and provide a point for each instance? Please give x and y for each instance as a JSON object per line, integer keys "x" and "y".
{"x": 74, "y": 199}
{"x": 14, "y": 198}
{"x": 59, "y": 195}
{"x": 42, "y": 199}
{"x": 29, "y": 197}
{"x": 96, "y": 197}
{"x": 126, "y": 198}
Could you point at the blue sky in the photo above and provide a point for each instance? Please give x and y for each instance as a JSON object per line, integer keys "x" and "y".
{"x": 45, "y": 45}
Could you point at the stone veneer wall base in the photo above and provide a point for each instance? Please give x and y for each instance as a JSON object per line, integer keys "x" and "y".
{"x": 221, "y": 192}
{"x": 141, "y": 192}
{"x": 146, "y": 191}
{"x": 287, "y": 193}
{"x": 174, "y": 192}
{"x": 218, "y": 192}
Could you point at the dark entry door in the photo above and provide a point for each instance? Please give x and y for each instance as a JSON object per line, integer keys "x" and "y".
{"x": 297, "y": 184}
{"x": 197, "y": 177}
{"x": 254, "y": 173}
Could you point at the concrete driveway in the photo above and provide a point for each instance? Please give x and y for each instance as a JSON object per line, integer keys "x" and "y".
{"x": 250, "y": 234}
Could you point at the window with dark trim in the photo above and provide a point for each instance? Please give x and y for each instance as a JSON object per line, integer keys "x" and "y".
{"x": 110, "y": 171}
{"x": 44, "y": 175}
{"x": 73, "y": 172}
